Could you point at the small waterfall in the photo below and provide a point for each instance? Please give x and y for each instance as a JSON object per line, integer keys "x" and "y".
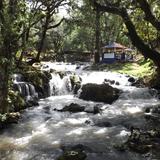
{"x": 27, "y": 90}
{"x": 60, "y": 86}
{"x": 17, "y": 78}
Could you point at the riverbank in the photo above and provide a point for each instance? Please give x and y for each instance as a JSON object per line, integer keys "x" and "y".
{"x": 140, "y": 68}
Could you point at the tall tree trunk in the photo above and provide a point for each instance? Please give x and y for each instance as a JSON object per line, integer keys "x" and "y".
{"x": 4, "y": 88}
{"x": 97, "y": 45}
{"x": 24, "y": 41}
{"x": 45, "y": 28}
{"x": 5, "y": 55}
{"x": 9, "y": 46}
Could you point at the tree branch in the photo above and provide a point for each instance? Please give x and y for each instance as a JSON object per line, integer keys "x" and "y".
{"x": 56, "y": 25}
{"x": 144, "y": 5}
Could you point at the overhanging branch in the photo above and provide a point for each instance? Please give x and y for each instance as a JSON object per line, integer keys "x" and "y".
{"x": 56, "y": 25}
{"x": 149, "y": 16}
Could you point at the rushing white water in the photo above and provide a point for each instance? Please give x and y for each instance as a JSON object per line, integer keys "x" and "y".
{"x": 43, "y": 130}
{"x": 26, "y": 89}
{"x": 59, "y": 86}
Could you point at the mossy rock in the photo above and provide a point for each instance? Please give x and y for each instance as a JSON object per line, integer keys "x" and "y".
{"x": 16, "y": 102}
{"x": 8, "y": 118}
{"x": 40, "y": 80}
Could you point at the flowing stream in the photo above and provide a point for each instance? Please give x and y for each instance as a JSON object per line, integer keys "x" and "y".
{"x": 42, "y": 131}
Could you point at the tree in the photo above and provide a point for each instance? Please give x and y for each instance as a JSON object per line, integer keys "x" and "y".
{"x": 79, "y": 29}
{"x": 49, "y": 8}
{"x": 10, "y": 26}
{"x": 97, "y": 45}
{"x": 125, "y": 10}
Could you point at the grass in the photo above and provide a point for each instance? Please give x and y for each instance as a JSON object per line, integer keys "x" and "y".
{"x": 140, "y": 68}
{"x": 136, "y": 69}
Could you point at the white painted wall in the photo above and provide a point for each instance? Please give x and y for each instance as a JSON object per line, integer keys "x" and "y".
{"x": 109, "y": 55}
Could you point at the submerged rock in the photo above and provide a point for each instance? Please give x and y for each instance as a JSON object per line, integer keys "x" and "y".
{"x": 109, "y": 81}
{"x": 95, "y": 109}
{"x": 73, "y": 152}
{"x": 73, "y": 155}
{"x": 103, "y": 124}
{"x": 73, "y": 107}
{"x": 99, "y": 92}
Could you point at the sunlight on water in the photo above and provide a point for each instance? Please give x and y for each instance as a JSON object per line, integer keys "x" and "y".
{"x": 23, "y": 140}
{"x": 73, "y": 121}
{"x": 56, "y": 143}
{"x": 78, "y": 131}
{"x": 101, "y": 131}
{"x": 17, "y": 155}
{"x": 124, "y": 133}
{"x": 59, "y": 124}
{"x": 40, "y": 130}
{"x": 133, "y": 110}
{"x": 99, "y": 77}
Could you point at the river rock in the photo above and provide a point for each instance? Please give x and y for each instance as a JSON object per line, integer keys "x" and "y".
{"x": 153, "y": 113}
{"x": 131, "y": 79}
{"x": 74, "y": 152}
{"x": 73, "y": 107}
{"x": 143, "y": 141}
{"x": 139, "y": 83}
{"x": 75, "y": 83}
{"x": 95, "y": 109}
{"x": 109, "y": 81}
{"x": 103, "y": 124}
{"x": 99, "y": 92}
{"x": 9, "y": 118}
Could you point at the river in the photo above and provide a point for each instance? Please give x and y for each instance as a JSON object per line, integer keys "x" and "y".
{"x": 42, "y": 132}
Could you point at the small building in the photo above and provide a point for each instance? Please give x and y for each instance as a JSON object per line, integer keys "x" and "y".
{"x": 114, "y": 52}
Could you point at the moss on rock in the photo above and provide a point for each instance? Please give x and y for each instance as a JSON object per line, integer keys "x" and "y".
{"x": 40, "y": 80}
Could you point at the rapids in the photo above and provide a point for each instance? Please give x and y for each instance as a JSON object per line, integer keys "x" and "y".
{"x": 42, "y": 131}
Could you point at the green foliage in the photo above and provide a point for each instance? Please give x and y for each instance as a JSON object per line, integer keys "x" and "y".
{"x": 16, "y": 102}
{"x": 140, "y": 69}
{"x": 80, "y": 28}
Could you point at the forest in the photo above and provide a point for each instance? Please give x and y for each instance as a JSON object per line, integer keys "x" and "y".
{"x": 79, "y": 79}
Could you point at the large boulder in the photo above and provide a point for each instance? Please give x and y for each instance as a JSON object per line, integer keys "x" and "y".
{"x": 99, "y": 92}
